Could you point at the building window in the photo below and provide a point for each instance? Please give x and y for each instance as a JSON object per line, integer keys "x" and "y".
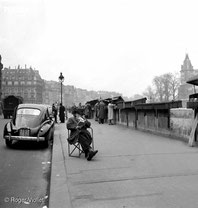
{"x": 29, "y": 78}
{"x": 9, "y": 83}
{"x": 16, "y": 83}
{"x": 16, "y": 89}
{"x": 26, "y": 94}
{"x": 22, "y": 82}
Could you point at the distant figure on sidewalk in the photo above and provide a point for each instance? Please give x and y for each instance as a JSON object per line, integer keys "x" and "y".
{"x": 54, "y": 110}
{"x": 101, "y": 112}
{"x": 96, "y": 111}
{"x": 110, "y": 113}
{"x": 78, "y": 127}
{"x": 62, "y": 113}
{"x": 66, "y": 113}
{"x": 87, "y": 111}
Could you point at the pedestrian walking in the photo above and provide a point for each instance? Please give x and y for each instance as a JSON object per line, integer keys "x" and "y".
{"x": 87, "y": 111}
{"x": 96, "y": 111}
{"x": 62, "y": 113}
{"x": 101, "y": 112}
{"x": 110, "y": 113}
{"x": 55, "y": 111}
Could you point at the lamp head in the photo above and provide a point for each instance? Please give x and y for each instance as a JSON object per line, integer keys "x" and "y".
{"x": 61, "y": 77}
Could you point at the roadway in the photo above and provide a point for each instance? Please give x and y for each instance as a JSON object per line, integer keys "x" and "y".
{"x": 24, "y": 174}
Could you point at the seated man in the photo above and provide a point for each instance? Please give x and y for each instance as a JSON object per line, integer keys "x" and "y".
{"x": 78, "y": 127}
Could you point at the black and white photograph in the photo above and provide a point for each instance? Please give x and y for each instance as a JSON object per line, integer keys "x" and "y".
{"x": 98, "y": 103}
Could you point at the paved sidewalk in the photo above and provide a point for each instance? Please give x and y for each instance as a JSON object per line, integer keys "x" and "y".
{"x": 131, "y": 169}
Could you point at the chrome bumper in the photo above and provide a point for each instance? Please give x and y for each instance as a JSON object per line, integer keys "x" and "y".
{"x": 25, "y": 138}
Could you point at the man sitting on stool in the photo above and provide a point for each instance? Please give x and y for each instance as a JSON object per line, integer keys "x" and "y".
{"x": 78, "y": 127}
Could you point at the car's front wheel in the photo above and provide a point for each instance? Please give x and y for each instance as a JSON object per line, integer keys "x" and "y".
{"x": 47, "y": 141}
{"x": 8, "y": 142}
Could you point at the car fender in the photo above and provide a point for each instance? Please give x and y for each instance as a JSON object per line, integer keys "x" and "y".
{"x": 7, "y": 129}
{"x": 45, "y": 127}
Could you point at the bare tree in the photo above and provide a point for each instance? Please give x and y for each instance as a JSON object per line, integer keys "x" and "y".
{"x": 158, "y": 84}
{"x": 150, "y": 94}
{"x": 166, "y": 87}
{"x": 166, "y": 82}
{"x": 174, "y": 85}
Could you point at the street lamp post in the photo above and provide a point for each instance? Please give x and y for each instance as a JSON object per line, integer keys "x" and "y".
{"x": 61, "y": 80}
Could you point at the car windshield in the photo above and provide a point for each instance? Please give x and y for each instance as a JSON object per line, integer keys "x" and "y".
{"x": 28, "y": 111}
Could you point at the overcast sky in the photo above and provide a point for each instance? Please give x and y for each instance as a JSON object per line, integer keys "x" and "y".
{"x": 112, "y": 45}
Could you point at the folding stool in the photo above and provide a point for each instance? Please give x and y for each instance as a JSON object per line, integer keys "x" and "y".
{"x": 76, "y": 147}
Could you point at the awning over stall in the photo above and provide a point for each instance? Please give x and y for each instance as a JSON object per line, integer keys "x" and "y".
{"x": 193, "y": 80}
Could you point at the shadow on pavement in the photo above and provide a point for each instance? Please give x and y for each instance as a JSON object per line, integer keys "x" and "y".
{"x": 28, "y": 145}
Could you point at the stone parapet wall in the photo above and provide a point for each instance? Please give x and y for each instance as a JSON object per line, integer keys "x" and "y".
{"x": 181, "y": 121}
{"x": 175, "y": 122}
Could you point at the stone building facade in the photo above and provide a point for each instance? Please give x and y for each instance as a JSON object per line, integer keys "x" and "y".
{"x": 70, "y": 94}
{"x": 187, "y": 71}
{"x": 24, "y": 82}
{"x": 28, "y": 84}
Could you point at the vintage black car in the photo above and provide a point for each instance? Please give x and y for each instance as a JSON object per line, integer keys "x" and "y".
{"x": 30, "y": 122}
